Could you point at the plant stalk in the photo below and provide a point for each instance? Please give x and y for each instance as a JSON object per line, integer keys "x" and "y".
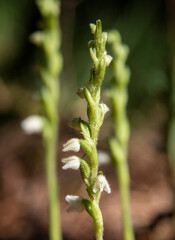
{"x": 119, "y": 142}
{"x": 49, "y": 39}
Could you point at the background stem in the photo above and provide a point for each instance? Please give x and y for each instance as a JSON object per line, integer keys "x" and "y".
{"x": 54, "y": 213}
{"x": 50, "y": 40}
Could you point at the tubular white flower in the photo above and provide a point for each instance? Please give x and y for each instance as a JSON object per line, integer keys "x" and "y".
{"x": 32, "y": 124}
{"x": 104, "y": 108}
{"x": 72, "y": 145}
{"x": 103, "y": 157}
{"x": 101, "y": 184}
{"x": 72, "y": 162}
{"x": 75, "y": 202}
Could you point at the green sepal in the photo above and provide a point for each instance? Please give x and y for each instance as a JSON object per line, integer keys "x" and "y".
{"x": 79, "y": 124}
{"x": 85, "y": 169}
{"x": 85, "y": 130}
{"x": 75, "y": 123}
{"x": 88, "y": 96}
{"x": 88, "y": 206}
{"x": 87, "y": 147}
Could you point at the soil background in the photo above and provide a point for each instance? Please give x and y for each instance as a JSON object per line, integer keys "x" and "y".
{"x": 23, "y": 191}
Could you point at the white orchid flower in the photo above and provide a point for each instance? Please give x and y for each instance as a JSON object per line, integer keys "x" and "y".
{"x": 72, "y": 145}
{"x": 72, "y": 162}
{"x": 75, "y": 202}
{"x": 32, "y": 124}
{"x": 101, "y": 184}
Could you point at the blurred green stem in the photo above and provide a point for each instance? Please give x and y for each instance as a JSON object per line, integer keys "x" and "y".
{"x": 49, "y": 39}
{"x": 54, "y": 212}
{"x": 119, "y": 142}
{"x": 171, "y": 130}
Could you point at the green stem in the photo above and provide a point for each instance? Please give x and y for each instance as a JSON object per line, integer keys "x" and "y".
{"x": 98, "y": 221}
{"x": 123, "y": 180}
{"x": 119, "y": 143}
{"x": 54, "y": 213}
{"x": 50, "y": 40}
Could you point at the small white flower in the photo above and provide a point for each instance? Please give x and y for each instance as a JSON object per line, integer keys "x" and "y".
{"x": 32, "y": 124}
{"x": 108, "y": 59}
{"x": 104, "y": 108}
{"x": 101, "y": 184}
{"x": 72, "y": 162}
{"x": 103, "y": 157}
{"x": 72, "y": 145}
{"x": 75, "y": 202}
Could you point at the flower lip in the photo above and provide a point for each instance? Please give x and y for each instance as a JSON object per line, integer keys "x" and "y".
{"x": 75, "y": 202}
{"x": 72, "y": 162}
{"x": 72, "y": 145}
{"x": 32, "y": 124}
{"x": 101, "y": 184}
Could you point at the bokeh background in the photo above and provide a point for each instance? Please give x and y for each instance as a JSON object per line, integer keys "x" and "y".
{"x": 148, "y": 28}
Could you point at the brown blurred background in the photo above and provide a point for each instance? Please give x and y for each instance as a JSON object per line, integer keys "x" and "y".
{"x": 148, "y": 28}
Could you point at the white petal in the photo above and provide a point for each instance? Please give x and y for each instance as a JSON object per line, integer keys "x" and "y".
{"x": 107, "y": 188}
{"x": 72, "y": 162}
{"x": 108, "y": 59}
{"x": 71, "y": 145}
{"x": 75, "y": 202}
{"x": 104, "y": 108}
{"x": 32, "y": 124}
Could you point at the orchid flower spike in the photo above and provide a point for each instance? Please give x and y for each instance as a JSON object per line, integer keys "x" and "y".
{"x": 72, "y": 145}
{"x": 75, "y": 202}
{"x": 101, "y": 184}
{"x": 32, "y": 124}
{"x": 72, "y": 162}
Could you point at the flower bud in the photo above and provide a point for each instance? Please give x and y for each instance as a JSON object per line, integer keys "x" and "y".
{"x": 92, "y": 27}
{"x": 37, "y": 38}
{"x": 80, "y": 92}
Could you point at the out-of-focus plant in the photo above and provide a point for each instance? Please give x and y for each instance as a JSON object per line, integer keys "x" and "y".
{"x": 95, "y": 182}
{"x": 171, "y": 129}
{"x": 119, "y": 142}
{"x": 49, "y": 39}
